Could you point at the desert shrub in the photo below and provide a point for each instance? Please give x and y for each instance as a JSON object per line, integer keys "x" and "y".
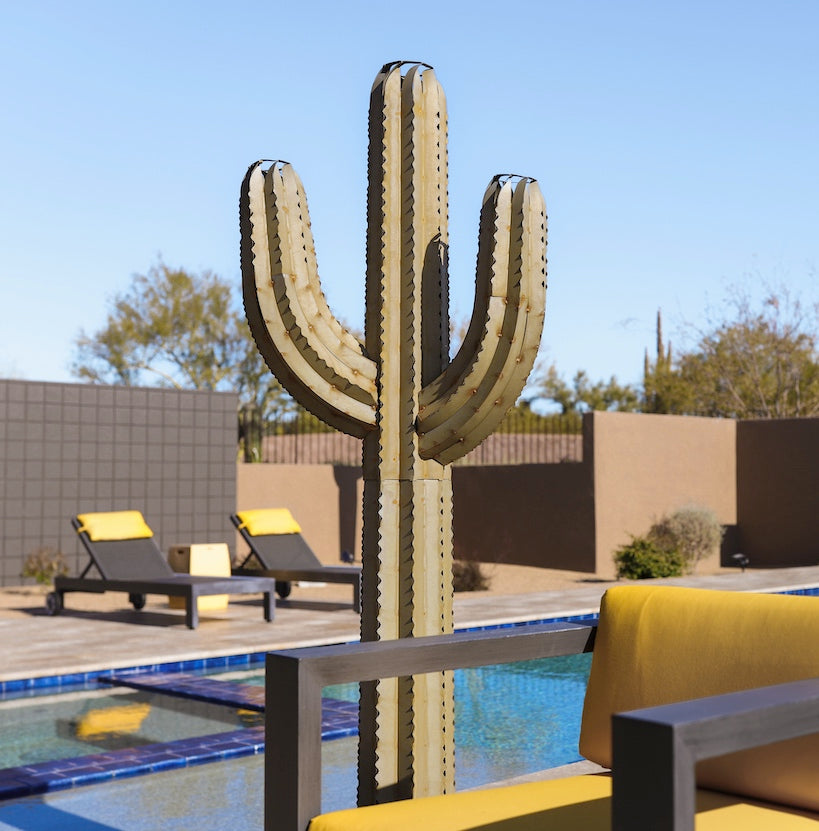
{"x": 693, "y": 531}
{"x": 643, "y": 558}
{"x": 467, "y": 576}
{"x": 44, "y": 565}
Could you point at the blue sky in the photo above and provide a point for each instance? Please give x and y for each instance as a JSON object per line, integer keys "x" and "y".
{"x": 675, "y": 144}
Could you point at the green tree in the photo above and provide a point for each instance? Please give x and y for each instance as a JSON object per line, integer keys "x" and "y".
{"x": 754, "y": 363}
{"x": 583, "y": 395}
{"x": 172, "y": 327}
{"x": 661, "y": 386}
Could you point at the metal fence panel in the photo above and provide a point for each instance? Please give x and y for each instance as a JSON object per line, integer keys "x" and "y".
{"x": 523, "y": 438}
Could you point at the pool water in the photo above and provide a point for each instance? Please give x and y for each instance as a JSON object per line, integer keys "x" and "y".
{"x": 68, "y": 725}
{"x": 518, "y": 718}
{"x": 510, "y": 720}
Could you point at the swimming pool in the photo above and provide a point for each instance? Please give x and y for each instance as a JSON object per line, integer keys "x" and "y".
{"x": 482, "y": 756}
{"x": 510, "y": 719}
{"x": 237, "y": 776}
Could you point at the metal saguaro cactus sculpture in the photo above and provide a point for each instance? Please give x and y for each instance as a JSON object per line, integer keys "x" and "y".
{"x": 416, "y": 410}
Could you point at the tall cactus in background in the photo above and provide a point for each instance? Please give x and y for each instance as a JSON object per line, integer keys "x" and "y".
{"x": 416, "y": 410}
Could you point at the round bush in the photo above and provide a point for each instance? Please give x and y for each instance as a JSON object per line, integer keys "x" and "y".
{"x": 693, "y": 531}
{"x": 467, "y": 576}
{"x": 642, "y": 558}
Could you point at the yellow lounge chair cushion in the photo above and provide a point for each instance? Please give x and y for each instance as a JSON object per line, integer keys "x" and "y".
{"x": 577, "y": 803}
{"x": 657, "y": 645}
{"x": 262, "y": 521}
{"x": 114, "y": 525}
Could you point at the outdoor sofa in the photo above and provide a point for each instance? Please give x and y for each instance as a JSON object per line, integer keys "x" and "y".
{"x": 680, "y": 677}
{"x": 280, "y": 551}
{"x": 122, "y": 548}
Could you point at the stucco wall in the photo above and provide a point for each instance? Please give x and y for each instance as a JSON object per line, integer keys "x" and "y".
{"x": 540, "y": 515}
{"x": 778, "y": 491}
{"x": 759, "y": 476}
{"x": 534, "y": 515}
{"x": 324, "y": 499}
{"x": 649, "y": 465}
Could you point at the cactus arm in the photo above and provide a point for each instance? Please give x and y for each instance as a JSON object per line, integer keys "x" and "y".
{"x": 294, "y": 251}
{"x": 461, "y": 407}
{"x": 319, "y": 363}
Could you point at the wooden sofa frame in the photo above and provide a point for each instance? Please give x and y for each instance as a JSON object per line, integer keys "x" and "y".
{"x": 655, "y": 749}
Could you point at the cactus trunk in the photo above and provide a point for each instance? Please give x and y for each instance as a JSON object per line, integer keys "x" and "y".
{"x": 406, "y": 724}
{"x": 415, "y": 410}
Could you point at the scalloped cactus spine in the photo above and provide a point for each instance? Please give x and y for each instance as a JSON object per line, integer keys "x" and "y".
{"x": 416, "y": 410}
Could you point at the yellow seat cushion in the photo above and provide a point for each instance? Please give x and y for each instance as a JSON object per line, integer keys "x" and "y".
{"x": 263, "y": 521}
{"x": 577, "y": 803}
{"x": 657, "y": 645}
{"x": 114, "y": 525}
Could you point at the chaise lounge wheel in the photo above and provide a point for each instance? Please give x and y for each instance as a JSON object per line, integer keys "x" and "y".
{"x": 283, "y": 588}
{"x": 137, "y": 601}
{"x": 54, "y": 603}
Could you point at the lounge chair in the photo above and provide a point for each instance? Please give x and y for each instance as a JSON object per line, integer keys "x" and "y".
{"x": 276, "y": 544}
{"x": 680, "y": 678}
{"x": 122, "y": 548}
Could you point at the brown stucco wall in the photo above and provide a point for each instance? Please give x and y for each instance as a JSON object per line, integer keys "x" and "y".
{"x": 649, "y": 465}
{"x": 759, "y": 477}
{"x": 539, "y": 515}
{"x": 778, "y": 491}
{"x": 534, "y": 515}
{"x": 322, "y": 498}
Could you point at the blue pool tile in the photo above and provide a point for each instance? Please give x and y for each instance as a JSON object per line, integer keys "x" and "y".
{"x": 90, "y": 778}
{"x": 170, "y": 763}
{"x": 59, "y": 784}
{"x": 125, "y": 773}
{"x": 16, "y": 685}
{"x": 75, "y": 679}
{"x": 81, "y": 771}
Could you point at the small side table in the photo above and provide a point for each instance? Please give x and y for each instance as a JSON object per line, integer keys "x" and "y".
{"x": 206, "y": 559}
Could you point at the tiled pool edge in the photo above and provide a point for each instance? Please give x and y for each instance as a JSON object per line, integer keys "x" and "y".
{"x": 62, "y": 774}
{"x": 56, "y": 683}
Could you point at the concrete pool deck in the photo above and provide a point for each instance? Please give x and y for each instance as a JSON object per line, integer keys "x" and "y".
{"x": 101, "y": 632}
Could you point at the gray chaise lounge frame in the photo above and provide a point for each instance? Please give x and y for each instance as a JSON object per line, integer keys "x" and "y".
{"x": 138, "y": 568}
{"x": 287, "y": 557}
{"x": 655, "y": 749}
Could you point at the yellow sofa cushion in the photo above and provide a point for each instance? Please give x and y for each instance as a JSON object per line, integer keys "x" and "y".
{"x": 657, "y": 645}
{"x": 262, "y": 521}
{"x": 577, "y": 803}
{"x": 114, "y": 525}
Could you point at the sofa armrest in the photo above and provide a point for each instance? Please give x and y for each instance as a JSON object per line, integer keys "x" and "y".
{"x": 295, "y": 677}
{"x": 655, "y": 749}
